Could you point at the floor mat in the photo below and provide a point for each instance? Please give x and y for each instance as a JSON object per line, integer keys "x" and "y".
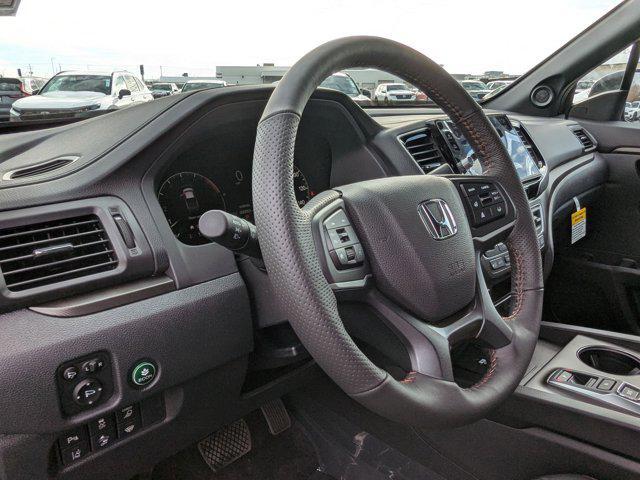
{"x": 289, "y": 455}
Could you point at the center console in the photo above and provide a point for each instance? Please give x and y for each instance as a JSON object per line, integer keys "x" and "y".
{"x": 584, "y": 384}
{"x": 596, "y": 372}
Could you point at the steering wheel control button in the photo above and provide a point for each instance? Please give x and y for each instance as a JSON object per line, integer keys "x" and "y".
{"x": 470, "y": 189}
{"x": 342, "y": 237}
{"x": 143, "y": 373}
{"x": 348, "y": 257}
{"x": 87, "y": 392}
{"x": 498, "y": 263}
{"x": 485, "y": 202}
{"x": 336, "y": 220}
{"x": 70, "y": 373}
{"x": 343, "y": 243}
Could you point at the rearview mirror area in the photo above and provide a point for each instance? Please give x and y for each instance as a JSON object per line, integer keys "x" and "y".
{"x": 124, "y": 93}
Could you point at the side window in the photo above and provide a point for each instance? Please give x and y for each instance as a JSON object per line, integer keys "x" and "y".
{"x": 119, "y": 84}
{"x": 141, "y": 86}
{"x": 131, "y": 83}
{"x": 610, "y": 76}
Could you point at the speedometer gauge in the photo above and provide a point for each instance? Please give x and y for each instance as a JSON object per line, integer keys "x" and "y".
{"x": 184, "y": 197}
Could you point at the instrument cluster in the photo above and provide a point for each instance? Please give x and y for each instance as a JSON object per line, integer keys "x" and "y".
{"x": 216, "y": 175}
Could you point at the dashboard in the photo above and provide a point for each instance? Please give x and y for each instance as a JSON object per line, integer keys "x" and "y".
{"x": 158, "y": 292}
{"x": 215, "y": 173}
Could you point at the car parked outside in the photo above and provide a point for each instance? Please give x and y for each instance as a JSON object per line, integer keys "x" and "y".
{"x": 608, "y": 83}
{"x": 475, "y": 88}
{"x": 388, "y": 93}
{"x": 421, "y": 97}
{"x": 164, "y": 89}
{"x": 14, "y": 88}
{"x": 498, "y": 84}
{"x": 343, "y": 82}
{"x": 11, "y": 89}
{"x": 75, "y": 94}
{"x": 632, "y": 111}
{"x": 192, "y": 85}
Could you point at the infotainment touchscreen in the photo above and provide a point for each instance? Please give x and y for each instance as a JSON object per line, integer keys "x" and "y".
{"x": 468, "y": 161}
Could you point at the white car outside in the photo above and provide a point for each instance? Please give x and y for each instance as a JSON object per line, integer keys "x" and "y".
{"x": 343, "y": 82}
{"x": 498, "y": 83}
{"x": 387, "y": 93}
{"x": 632, "y": 111}
{"x": 81, "y": 94}
{"x": 192, "y": 85}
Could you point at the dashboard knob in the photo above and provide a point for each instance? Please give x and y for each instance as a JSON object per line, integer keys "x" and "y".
{"x": 231, "y": 232}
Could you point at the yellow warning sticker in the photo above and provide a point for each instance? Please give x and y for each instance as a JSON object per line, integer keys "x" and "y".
{"x": 579, "y": 216}
{"x": 578, "y": 225}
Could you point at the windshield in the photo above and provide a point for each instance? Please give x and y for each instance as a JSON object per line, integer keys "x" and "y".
{"x": 342, "y": 84}
{"x": 181, "y": 47}
{"x": 78, "y": 83}
{"x": 10, "y": 85}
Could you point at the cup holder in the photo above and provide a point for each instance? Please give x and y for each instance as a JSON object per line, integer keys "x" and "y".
{"x": 608, "y": 360}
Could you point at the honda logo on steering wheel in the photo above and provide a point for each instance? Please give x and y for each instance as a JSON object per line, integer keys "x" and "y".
{"x": 437, "y": 217}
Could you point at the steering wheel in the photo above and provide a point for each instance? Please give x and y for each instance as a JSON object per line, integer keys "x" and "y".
{"x": 418, "y": 240}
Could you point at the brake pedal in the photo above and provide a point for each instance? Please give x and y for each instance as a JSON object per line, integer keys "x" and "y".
{"x": 226, "y": 445}
{"x": 277, "y": 417}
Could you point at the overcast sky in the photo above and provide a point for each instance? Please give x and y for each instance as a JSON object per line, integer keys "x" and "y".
{"x": 466, "y": 36}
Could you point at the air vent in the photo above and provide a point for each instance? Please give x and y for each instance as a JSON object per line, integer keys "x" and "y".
{"x": 39, "y": 169}
{"x": 423, "y": 149}
{"x": 526, "y": 141}
{"x": 585, "y": 140}
{"x": 46, "y": 253}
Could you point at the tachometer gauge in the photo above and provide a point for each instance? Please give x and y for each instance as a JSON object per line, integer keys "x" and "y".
{"x": 301, "y": 187}
{"x": 184, "y": 197}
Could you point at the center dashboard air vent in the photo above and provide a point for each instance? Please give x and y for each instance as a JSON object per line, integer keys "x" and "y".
{"x": 41, "y": 254}
{"x": 585, "y": 139}
{"x": 422, "y": 147}
{"x": 526, "y": 141}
